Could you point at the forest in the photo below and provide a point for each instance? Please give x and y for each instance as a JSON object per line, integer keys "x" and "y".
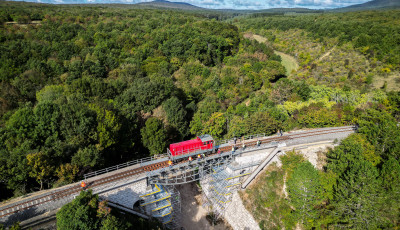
{"x": 86, "y": 88}
{"x": 374, "y": 33}
{"x": 344, "y": 58}
{"x": 83, "y": 88}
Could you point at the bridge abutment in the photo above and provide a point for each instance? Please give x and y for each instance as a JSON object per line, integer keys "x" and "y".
{"x": 125, "y": 195}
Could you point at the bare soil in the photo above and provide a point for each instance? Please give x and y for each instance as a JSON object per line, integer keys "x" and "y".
{"x": 193, "y": 214}
{"x": 392, "y": 81}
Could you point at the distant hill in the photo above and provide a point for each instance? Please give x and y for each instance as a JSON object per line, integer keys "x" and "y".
{"x": 172, "y": 5}
{"x": 288, "y": 10}
{"x": 187, "y": 6}
{"x": 372, "y": 5}
{"x": 271, "y": 11}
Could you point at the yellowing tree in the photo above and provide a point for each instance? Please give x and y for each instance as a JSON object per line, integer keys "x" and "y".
{"x": 40, "y": 167}
{"x": 67, "y": 172}
{"x": 216, "y": 125}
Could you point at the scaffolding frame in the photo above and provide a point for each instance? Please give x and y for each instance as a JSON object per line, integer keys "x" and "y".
{"x": 199, "y": 168}
{"x": 219, "y": 175}
{"x": 221, "y": 184}
{"x": 189, "y": 171}
{"x": 164, "y": 204}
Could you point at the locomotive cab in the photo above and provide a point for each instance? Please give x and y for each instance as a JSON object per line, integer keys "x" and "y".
{"x": 202, "y": 144}
{"x": 207, "y": 141}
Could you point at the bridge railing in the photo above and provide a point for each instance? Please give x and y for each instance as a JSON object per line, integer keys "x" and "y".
{"x": 239, "y": 139}
{"x": 156, "y": 157}
{"x": 124, "y": 165}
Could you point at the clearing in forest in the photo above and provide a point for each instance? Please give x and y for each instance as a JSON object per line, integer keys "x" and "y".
{"x": 289, "y": 62}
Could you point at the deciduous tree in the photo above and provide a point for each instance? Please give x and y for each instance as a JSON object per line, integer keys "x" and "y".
{"x": 216, "y": 125}
{"x": 81, "y": 213}
{"x": 154, "y": 136}
{"x": 41, "y": 167}
{"x": 176, "y": 115}
{"x": 108, "y": 126}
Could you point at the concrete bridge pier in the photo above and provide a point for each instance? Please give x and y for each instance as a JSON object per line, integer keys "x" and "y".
{"x": 125, "y": 195}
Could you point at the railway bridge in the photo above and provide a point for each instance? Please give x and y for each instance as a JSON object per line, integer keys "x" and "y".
{"x": 145, "y": 187}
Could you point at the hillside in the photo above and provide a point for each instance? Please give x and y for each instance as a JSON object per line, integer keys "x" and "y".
{"x": 349, "y": 52}
{"x": 172, "y": 5}
{"x": 371, "y": 5}
{"x": 88, "y": 87}
{"x": 109, "y": 76}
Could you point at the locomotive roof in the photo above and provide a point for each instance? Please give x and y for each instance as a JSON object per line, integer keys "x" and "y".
{"x": 202, "y": 138}
{"x": 206, "y": 137}
{"x": 185, "y": 142}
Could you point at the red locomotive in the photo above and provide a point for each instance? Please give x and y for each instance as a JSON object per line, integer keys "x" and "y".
{"x": 200, "y": 145}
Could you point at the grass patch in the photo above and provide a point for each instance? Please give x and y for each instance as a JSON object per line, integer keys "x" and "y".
{"x": 288, "y": 62}
{"x": 392, "y": 82}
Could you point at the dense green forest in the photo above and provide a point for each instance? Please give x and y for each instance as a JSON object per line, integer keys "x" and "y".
{"x": 88, "y": 87}
{"x": 341, "y": 57}
{"x": 356, "y": 187}
{"x": 84, "y": 88}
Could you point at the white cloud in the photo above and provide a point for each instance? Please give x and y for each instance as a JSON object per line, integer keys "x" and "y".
{"x": 233, "y": 4}
{"x": 208, "y": 2}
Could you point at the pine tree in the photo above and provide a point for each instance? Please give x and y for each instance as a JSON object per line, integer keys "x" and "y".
{"x": 356, "y": 199}
{"x": 390, "y": 175}
{"x": 382, "y": 130}
{"x": 305, "y": 193}
{"x": 354, "y": 148}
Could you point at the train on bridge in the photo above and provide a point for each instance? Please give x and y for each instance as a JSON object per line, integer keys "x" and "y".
{"x": 204, "y": 146}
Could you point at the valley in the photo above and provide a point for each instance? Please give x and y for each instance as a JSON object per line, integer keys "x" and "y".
{"x": 86, "y": 87}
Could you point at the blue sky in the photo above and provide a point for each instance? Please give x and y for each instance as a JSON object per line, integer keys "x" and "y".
{"x": 232, "y": 4}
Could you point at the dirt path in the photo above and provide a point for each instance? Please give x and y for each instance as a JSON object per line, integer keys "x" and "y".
{"x": 289, "y": 62}
{"x": 326, "y": 54}
{"x": 258, "y": 38}
{"x": 193, "y": 214}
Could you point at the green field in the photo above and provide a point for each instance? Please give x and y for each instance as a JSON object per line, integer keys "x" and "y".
{"x": 288, "y": 62}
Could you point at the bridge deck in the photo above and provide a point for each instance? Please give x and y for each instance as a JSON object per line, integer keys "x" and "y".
{"x": 48, "y": 196}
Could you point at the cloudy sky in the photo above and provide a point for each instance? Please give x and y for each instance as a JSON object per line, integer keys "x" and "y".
{"x": 233, "y": 4}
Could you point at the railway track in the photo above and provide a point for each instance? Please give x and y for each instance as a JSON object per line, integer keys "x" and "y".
{"x": 77, "y": 188}
{"x": 66, "y": 192}
{"x": 287, "y": 137}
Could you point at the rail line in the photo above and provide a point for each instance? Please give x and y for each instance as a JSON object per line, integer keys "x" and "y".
{"x": 57, "y": 195}
{"x": 76, "y": 188}
{"x": 286, "y": 137}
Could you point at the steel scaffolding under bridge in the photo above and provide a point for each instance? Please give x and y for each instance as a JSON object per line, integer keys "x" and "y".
{"x": 189, "y": 171}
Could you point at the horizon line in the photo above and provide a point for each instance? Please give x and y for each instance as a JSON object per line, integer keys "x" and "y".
{"x": 139, "y": 3}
